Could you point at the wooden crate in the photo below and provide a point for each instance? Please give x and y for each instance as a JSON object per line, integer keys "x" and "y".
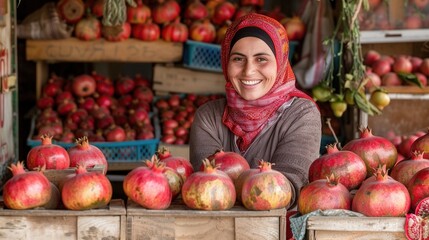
{"x": 183, "y": 80}
{"x": 355, "y": 228}
{"x": 56, "y": 176}
{"x": 179, "y": 222}
{"x": 108, "y": 223}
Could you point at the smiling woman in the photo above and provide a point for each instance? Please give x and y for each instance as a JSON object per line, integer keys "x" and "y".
{"x": 264, "y": 116}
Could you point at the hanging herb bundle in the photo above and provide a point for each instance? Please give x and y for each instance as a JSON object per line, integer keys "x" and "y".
{"x": 344, "y": 85}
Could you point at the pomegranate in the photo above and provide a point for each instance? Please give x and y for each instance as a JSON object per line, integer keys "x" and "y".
{"x": 26, "y": 189}
{"x": 238, "y": 183}
{"x": 418, "y": 187}
{"x": 165, "y": 11}
{"x": 324, "y": 194}
{"x": 373, "y": 150}
{"x": 86, "y": 190}
{"x": 258, "y": 3}
{"x": 148, "y": 186}
{"x": 148, "y": 31}
{"x": 421, "y": 144}
{"x": 231, "y": 163}
{"x": 402, "y": 64}
{"x": 370, "y": 57}
{"x": 55, "y": 199}
{"x": 48, "y": 155}
{"x": 224, "y": 11}
{"x": 175, "y": 32}
{"x": 180, "y": 164}
{"x": 115, "y": 134}
{"x": 45, "y": 102}
{"x": 175, "y": 181}
{"x": 210, "y": 189}
{"x": 71, "y": 11}
{"x": 379, "y": 98}
{"x": 138, "y": 14}
{"x": 221, "y": 31}
{"x": 424, "y": 67}
{"x": 404, "y": 147}
{"x": 295, "y": 28}
{"x": 381, "y": 196}
{"x": 83, "y": 85}
{"x": 202, "y": 31}
{"x": 124, "y": 85}
{"x": 373, "y": 81}
{"x": 51, "y": 89}
{"x": 267, "y": 189}
{"x": 84, "y": 153}
{"x": 347, "y": 166}
{"x": 405, "y": 170}
{"x": 97, "y": 8}
{"x": 195, "y": 10}
{"x": 381, "y": 66}
{"x": 88, "y": 28}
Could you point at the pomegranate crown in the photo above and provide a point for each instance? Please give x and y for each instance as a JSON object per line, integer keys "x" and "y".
{"x": 332, "y": 179}
{"x": 155, "y": 164}
{"x": 210, "y": 165}
{"x": 380, "y": 172}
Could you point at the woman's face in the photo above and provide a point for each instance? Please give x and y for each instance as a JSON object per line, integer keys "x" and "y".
{"x": 252, "y": 68}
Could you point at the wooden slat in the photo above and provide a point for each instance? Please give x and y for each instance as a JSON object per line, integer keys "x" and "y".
{"x": 75, "y": 50}
{"x": 257, "y": 228}
{"x": 330, "y": 235}
{"x": 377, "y": 224}
{"x": 407, "y": 89}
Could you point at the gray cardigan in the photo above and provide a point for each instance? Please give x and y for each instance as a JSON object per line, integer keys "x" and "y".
{"x": 291, "y": 142}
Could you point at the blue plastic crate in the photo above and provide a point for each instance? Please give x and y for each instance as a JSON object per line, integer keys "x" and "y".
{"x": 206, "y": 56}
{"x": 126, "y": 151}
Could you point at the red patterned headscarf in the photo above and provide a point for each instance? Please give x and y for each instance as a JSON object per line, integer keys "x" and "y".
{"x": 244, "y": 118}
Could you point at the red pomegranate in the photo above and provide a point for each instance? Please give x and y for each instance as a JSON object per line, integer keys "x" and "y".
{"x": 83, "y": 85}
{"x": 148, "y": 31}
{"x": 25, "y": 190}
{"x": 421, "y": 144}
{"x": 123, "y": 34}
{"x": 257, "y": 3}
{"x": 224, "y": 11}
{"x": 55, "y": 200}
{"x": 404, "y": 147}
{"x": 405, "y": 169}
{"x": 381, "y": 196}
{"x": 231, "y": 163}
{"x": 148, "y": 186}
{"x": 175, "y": 32}
{"x": 71, "y": 11}
{"x": 346, "y": 165}
{"x": 268, "y": 189}
{"x": 165, "y": 11}
{"x": 174, "y": 180}
{"x": 202, "y": 31}
{"x": 210, "y": 189}
{"x": 86, "y": 190}
{"x": 84, "y": 153}
{"x": 48, "y": 155}
{"x": 418, "y": 187}
{"x": 180, "y": 164}
{"x": 324, "y": 194}
{"x": 374, "y": 150}
{"x": 196, "y": 10}
{"x": 138, "y": 14}
{"x": 238, "y": 183}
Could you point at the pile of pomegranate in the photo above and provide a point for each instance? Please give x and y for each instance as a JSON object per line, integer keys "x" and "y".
{"x": 29, "y": 188}
{"x": 223, "y": 179}
{"x": 176, "y": 114}
{"x": 370, "y": 175}
{"x": 379, "y": 15}
{"x": 95, "y": 106}
{"x": 198, "y": 20}
{"x": 398, "y": 70}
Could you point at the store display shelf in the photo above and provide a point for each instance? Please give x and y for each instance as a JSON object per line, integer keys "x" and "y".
{"x": 394, "y": 36}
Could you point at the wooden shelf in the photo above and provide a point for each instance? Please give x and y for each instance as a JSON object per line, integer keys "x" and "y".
{"x": 394, "y": 36}
{"x": 75, "y": 50}
{"x": 407, "y": 89}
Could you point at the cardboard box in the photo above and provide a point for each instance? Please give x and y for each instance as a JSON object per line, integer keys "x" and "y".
{"x": 41, "y": 224}
{"x": 180, "y": 222}
{"x": 353, "y": 228}
{"x": 182, "y": 80}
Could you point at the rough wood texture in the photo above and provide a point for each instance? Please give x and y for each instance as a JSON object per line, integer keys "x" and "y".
{"x": 179, "y": 222}
{"x": 75, "y": 50}
{"x": 41, "y": 224}
{"x": 179, "y": 79}
{"x": 352, "y": 228}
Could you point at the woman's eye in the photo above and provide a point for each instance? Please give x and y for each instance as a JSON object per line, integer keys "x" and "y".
{"x": 237, "y": 59}
{"x": 261, "y": 59}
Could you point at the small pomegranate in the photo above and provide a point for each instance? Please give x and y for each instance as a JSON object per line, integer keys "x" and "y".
{"x": 210, "y": 189}
{"x": 382, "y": 196}
{"x": 202, "y": 31}
{"x": 138, "y": 14}
{"x": 71, "y": 11}
{"x": 148, "y": 31}
{"x": 86, "y": 190}
{"x": 418, "y": 187}
{"x": 375, "y": 151}
{"x": 268, "y": 189}
{"x": 148, "y": 186}
{"x": 88, "y": 28}
{"x": 196, "y": 10}
{"x": 405, "y": 169}
{"x": 84, "y": 153}
{"x": 165, "y": 11}
{"x": 346, "y": 165}
{"x": 240, "y": 180}
{"x": 48, "y": 155}
{"x": 26, "y": 190}
{"x": 231, "y": 163}
{"x": 223, "y": 11}
{"x": 84, "y": 85}
{"x": 421, "y": 144}
{"x": 175, "y": 32}
{"x": 324, "y": 194}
